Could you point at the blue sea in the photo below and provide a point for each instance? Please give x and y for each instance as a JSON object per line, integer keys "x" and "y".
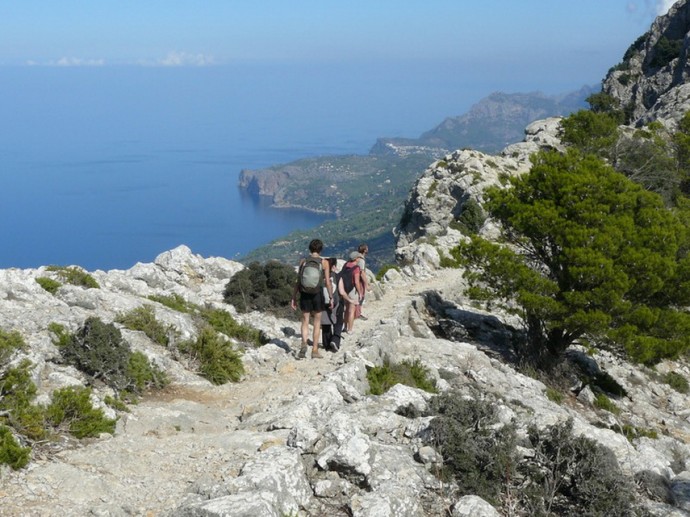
{"x": 105, "y": 167}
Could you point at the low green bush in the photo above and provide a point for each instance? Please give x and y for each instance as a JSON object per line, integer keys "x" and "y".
{"x": 563, "y": 475}
{"x": 223, "y": 322}
{"x": 603, "y": 402}
{"x": 116, "y": 403}
{"x": 143, "y": 319}
{"x": 48, "y": 284}
{"x": 74, "y": 276}
{"x": 99, "y": 350}
{"x": 631, "y": 432}
{"x": 145, "y": 375}
{"x": 173, "y": 301}
{"x": 217, "y": 360}
{"x": 266, "y": 288}
{"x": 677, "y": 382}
{"x": 554, "y": 395}
{"x": 471, "y": 218}
{"x": 72, "y": 408}
{"x": 478, "y": 454}
{"x": 60, "y": 333}
{"x": 411, "y": 373}
{"x": 11, "y": 452}
{"x": 17, "y": 392}
{"x": 573, "y": 475}
{"x": 10, "y": 342}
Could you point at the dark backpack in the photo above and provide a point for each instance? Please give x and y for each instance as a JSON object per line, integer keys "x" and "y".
{"x": 348, "y": 275}
{"x": 311, "y": 275}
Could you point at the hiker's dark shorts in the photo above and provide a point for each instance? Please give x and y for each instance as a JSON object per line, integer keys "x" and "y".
{"x": 311, "y": 302}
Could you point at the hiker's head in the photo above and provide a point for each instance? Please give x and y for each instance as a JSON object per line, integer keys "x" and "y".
{"x": 332, "y": 262}
{"x": 315, "y": 246}
{"x": 363, "y": 249}
{"x": 355, "y": 255}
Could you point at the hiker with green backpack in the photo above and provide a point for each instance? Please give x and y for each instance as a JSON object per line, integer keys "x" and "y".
{"x": 313, "y": 274}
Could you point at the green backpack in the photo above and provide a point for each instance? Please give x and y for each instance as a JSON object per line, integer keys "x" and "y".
{"x": 311, "y": 275}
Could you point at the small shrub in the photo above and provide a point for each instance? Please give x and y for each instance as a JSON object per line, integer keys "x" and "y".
{"x": 217, "y": 359}
{"x": 10, "y": 342}
{"x": 449, "y": 262}
{"x": 98, "y": 350}
{"x": 17, "y": 392}
{"x": 61, "y": 334}
{"x": 411, "y": 373}
{"x": 478, "y": 454}
{"x": 432, "y": 189}
{"x": 48, "y": 284}
{"x": 470, "y": 219}
{"x": 266, "y": 288}
{"x": 570, "y": 475}
{"x": 75, "y": 276}
{"x": 145, "y": 375}
{"x": 143, "y": 319}
{"x": 631, "y": 432}
{"x": 677, "y": 382}
{"x": 223, "y": 322}
{"x": 381, "y": 379}
{"x": 603, "y": 402}
{"x": 115, "y": 403}
{"x": 554, "y": 395}
{"x": 72, "y": 408}
{"x": 11, "y": 453}
{"x": 173, "y": 301}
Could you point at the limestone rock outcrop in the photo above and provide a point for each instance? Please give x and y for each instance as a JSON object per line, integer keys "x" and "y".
{"x": 650, "y": 82}
{"x": 441, "y": 195}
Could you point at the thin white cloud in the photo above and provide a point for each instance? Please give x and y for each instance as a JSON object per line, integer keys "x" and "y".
{"x": 186, "y": 59}
{"x": 68, "y": 61}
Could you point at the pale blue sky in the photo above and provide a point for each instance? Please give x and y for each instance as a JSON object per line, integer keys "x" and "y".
{"x": 586, "y": 34}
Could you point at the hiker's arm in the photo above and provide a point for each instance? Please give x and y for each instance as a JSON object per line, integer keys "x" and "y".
{"x": 365, "y": 278}
{"x": 295, "y": 289}
{"x": 327, "y": 274}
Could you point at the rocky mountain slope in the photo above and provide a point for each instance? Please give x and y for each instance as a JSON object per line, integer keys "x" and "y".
{"x": 307, "y": 437}
{"x": 651, "y": 82}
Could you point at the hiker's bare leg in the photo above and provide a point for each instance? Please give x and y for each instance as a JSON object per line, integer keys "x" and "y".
{"x": 350, "y": 319}
{"x": 317, "y": 331}
{"x": 305, "y": 328}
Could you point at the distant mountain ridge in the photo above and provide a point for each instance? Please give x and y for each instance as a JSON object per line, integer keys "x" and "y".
{"x": 494, "y": 122}
{"x": 366, "y": 192}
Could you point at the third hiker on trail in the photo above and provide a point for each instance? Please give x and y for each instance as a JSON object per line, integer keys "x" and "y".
{"x": 313, "y": 274}
{"x": 352, "y": 289}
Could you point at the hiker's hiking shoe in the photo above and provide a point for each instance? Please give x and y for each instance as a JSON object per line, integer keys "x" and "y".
{"x": 333, "y": 346}
{"x": 316, "y": 355}
{"x": 302, "y": 352}
{"x": 363, "y": 317}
